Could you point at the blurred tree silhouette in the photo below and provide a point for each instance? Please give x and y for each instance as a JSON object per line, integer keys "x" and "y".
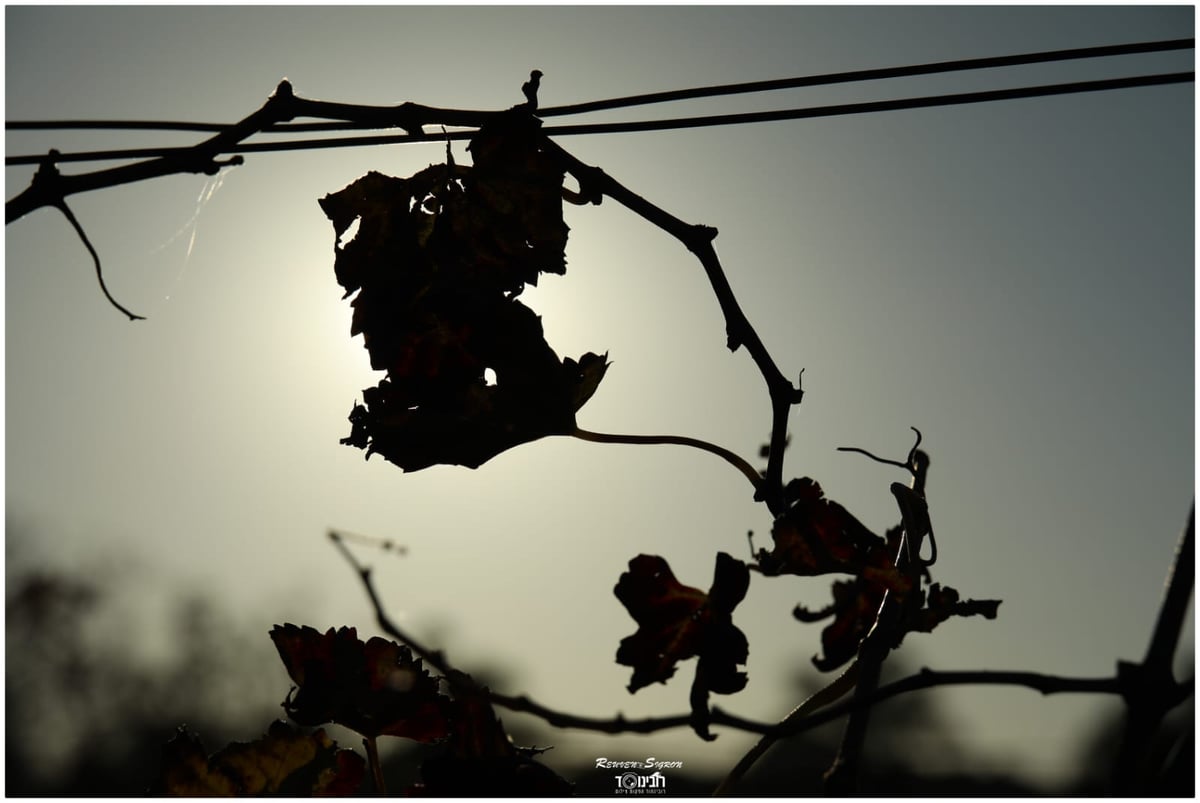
{"x": 87, "y": 711}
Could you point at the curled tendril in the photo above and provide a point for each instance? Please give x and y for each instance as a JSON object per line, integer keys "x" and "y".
{"x": 910, "y": 463}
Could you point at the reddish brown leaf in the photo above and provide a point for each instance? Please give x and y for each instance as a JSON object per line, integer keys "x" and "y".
{"x": 856, "y": 604}
{"x": 284, "y": 762}
{"x": 376, "y": 688}
{"x": 481, "y": 760}
{"x": 676, "y": 622}
{"x": 817, "y": 536}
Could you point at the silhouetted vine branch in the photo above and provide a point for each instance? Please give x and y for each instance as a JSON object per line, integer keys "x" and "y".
{"x": 818, "y": 710}
{"x": 48, "y": 174}
{"x": 434, "y": 658}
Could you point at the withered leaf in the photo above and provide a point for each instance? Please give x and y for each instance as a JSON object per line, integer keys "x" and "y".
{"x": 856, "y": 604}
{"x": 480, "y": 759}
{"x": 817, "y": 536}
{"x": 676, "y": 622}
{"x": 437, "y": 262}
{"x": 284, "y": 762}
{"x": 377, "y": 688}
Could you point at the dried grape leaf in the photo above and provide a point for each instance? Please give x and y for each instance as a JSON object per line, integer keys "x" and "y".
{"x": 817, "y": 536}
{"x": 435, "y": 267}
{"x": 284, "y": 762}
{"x": 480, "y": 759}
{"x": 856, "y": 604}
{"x": 676, "y": 622}
{"x": 375, "y": 688}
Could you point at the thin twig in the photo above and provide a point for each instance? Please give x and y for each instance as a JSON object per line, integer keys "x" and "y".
{"x": 907, "y": 465}
{"x": 47, "y": 180}
{"x": 66, "y": 210}
{"x": 876, "y": 458}
{"x": 828, "y": 695}
{"x": 733, "y": 459}
{"x": 434, "y": 658}
{"x": 386, "y": 544}
{"x": 200, "y": 158}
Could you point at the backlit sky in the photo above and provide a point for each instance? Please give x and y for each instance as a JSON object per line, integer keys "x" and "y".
{"x": 1015, "y": 279}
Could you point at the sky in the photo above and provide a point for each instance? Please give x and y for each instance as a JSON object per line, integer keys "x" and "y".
{"x": 1015, "y": 279}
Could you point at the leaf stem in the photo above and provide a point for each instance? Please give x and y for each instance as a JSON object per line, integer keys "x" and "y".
{"x": 376, "y": 767}
{"x": 734, "y": 460}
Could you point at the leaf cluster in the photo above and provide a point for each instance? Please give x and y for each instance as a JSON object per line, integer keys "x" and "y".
{"x": 283, "y": 762}
{"x": 435, "y": 267}
{"x": 817, "y": 536}
{"x": 376, "y": 688}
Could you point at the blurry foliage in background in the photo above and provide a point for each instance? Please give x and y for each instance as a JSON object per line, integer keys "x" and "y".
{"x": 85, "y": 715}
{"x": 87, "y": 711}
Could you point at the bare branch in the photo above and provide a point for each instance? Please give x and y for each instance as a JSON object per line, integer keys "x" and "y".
{"x": 66, "y": 210}
{"x": 927, "y": 678}
{"x": 594, "y": 182}
{"x": 836, "y": 689}
{"x": 909, "y": 463}
{"x": 200, "y": 158}
{"x": 434, "y": 658}
{"x": 437, "y": 659}
{"x": 791, "y": 725}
